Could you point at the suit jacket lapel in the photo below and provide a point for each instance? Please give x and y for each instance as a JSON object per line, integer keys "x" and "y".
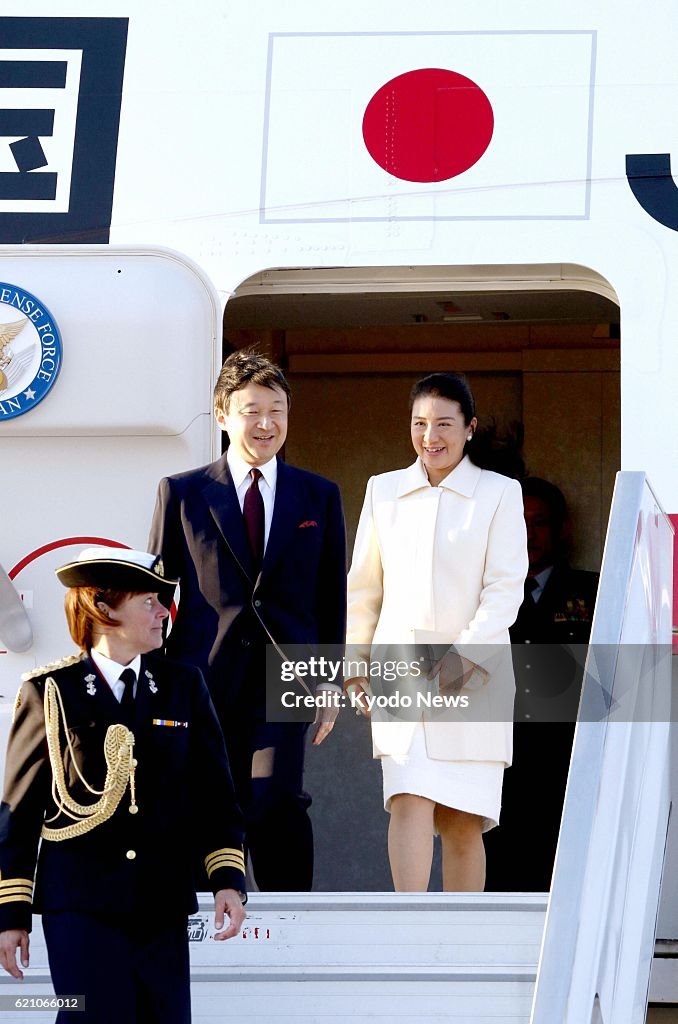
{"x": 287, "y": 514}
{"x": 225, "y": 509}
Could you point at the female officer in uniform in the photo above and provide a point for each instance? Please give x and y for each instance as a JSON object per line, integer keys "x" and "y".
{"x": 117, "y": 762}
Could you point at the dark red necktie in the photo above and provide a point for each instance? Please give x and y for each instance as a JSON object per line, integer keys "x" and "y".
{"x": 253, "y": 511}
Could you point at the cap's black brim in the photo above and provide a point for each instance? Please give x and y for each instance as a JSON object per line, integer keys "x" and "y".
{"x": 112, "y": 575}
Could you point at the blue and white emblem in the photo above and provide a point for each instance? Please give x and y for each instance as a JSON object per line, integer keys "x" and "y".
{"x": 30, "y": 351}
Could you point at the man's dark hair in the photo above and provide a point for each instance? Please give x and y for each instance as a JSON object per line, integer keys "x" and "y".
{"x": 552, "y": 496}
{"x": 247, "y": 367}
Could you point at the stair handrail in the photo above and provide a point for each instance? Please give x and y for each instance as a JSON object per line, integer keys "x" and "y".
{"x": 599, "y": 932}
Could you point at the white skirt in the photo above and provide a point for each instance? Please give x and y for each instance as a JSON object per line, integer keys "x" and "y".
{"x": 471, "y": 786}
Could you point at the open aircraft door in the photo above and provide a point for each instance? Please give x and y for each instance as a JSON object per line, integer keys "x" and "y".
{"x": 106, "y": 362}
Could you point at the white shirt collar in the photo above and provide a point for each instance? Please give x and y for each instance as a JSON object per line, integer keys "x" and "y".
{"x": 240, "y": 469}
{"x": 111, "y": 670}
{"x": 541, "y": 579}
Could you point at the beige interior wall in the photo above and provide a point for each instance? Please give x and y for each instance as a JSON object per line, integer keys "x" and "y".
{"x": 572, "y": 437}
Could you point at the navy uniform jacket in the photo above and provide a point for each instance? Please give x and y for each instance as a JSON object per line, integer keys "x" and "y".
{"x": 226, "y": 608}
{"x": 549, "y": 641}
{"x": 186, "y": 803}
{"x": 564, "y": 611}
{"x": 549, "y": 646}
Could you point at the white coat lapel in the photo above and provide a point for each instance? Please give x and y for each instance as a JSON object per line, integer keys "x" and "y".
{"x": 463, "y": 479}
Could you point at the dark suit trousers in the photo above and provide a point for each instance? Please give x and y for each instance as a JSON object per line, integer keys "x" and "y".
{"x": 278, "y": 831}
{"x": 521, "y": 852}
{"x": 132, "y": 971}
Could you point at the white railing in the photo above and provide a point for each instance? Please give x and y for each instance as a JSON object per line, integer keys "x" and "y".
{"x": 600, "y": 926}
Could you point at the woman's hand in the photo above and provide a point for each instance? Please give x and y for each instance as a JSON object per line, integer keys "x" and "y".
{"x": 356, "y": 690}
{"x": 227, "y": 902}
{"x": 10, "y": 941}
{"x": 453, "y": 671}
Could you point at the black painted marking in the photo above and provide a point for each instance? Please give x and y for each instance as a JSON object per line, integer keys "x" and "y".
{"x": 29, "y": 154}
{"x": 26, "y": 122}
{"x": 31, "y": 74}
{"x": 651, "y": 181}
{"x": 28, "y": 186}
{"x": 103, "y": 43}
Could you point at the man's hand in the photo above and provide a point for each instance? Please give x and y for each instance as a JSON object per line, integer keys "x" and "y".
{"x": 10, "y": 941}
{"x": 227, "y": 901}
{"x": 326, "y": 715}
{"x": 356, "y": 690}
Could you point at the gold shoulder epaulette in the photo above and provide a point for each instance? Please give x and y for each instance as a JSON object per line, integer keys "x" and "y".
{"x": 71, "y": 659}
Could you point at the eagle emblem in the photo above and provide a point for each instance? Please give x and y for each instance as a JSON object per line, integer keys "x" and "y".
{"x": 11, "y": 365}
{"x": 30, "y": 351}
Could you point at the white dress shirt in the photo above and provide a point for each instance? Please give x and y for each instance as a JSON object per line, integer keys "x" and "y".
{"x": 541, "y": 579}
{"x": 240, "y": 471}
{"x": 111, "y": 671}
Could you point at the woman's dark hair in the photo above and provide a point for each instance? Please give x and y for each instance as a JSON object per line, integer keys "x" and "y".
{"x": 452, "y": 386}
{"x": 488, "y": 448}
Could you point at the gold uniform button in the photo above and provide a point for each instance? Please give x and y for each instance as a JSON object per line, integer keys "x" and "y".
{"x": 131, "y": 854}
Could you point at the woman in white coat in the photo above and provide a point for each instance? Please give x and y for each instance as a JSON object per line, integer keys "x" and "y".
{"x": 441, "y": 549}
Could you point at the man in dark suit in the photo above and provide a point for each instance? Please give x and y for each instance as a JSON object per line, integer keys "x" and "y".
{"x": 549, "y": 639}
{"x": 260, "y": 551}
{"x": 116, "y": 762}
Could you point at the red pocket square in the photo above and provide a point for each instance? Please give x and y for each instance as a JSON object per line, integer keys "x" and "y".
{"x": 307, "y": 522}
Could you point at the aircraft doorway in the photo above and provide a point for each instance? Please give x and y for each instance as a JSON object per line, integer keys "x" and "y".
{"x": 541, "y": 349}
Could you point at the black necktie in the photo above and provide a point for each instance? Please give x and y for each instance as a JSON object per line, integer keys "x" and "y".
{"x": 253, "y": 511}
{"x": 525, "y": 626}
{"x": 129, "y": 678}
{"x": 529, "y": 588}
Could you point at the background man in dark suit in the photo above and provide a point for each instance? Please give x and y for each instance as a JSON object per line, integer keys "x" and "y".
{"x": 556, "y": 613}
{"x": 260, "y": 551}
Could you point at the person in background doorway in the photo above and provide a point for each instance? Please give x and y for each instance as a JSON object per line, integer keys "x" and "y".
{"x": 117, "y": 766}
{"x": 561, "y": 599}
{"x": 556, "y": 613}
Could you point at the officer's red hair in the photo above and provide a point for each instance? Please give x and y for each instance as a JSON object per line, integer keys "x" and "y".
{"x": 84, "y": 615}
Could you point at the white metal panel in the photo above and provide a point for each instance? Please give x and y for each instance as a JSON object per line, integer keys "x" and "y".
{"x": 141, "y": 336}
{"x": 138, "y": 330}
{"x": 377, "y": 957}
{"x": 193, "y": 85}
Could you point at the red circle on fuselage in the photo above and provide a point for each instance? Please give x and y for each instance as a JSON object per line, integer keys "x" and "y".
{"x": 428, "y": 125}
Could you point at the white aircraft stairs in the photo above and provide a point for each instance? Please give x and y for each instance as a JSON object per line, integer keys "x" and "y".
{"x": 581, "y": 957}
